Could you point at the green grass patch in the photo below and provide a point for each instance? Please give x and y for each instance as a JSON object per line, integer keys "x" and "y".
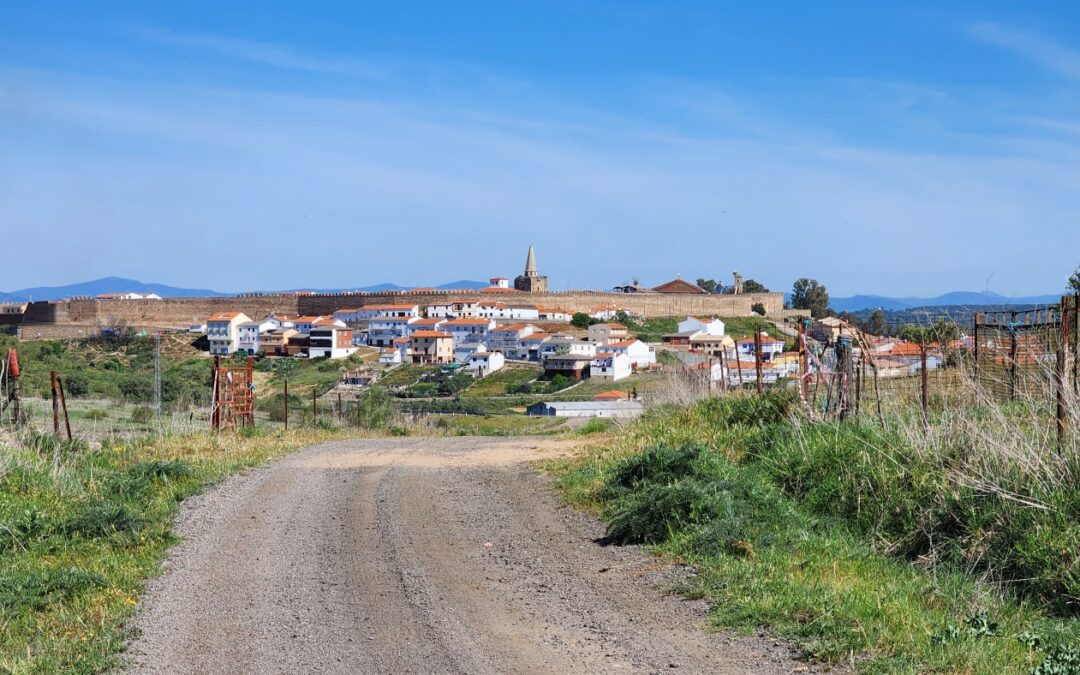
{"x": 840, "y": 539}
{"x": 406, "y": 375}
{"x": 499, "y": 382}
{"x": 499, "y": 425}
{"x": 76, "y": 543}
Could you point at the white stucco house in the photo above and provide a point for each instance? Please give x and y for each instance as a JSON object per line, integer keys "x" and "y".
{"x": 610, "y": 366}
{"x": 485, "y": 363}
{"x": 705, "y": 325}
{"x": 641, "y": 355}
{"x": 223, "y": 332}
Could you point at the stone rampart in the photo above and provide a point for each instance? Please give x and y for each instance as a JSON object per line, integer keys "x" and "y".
{"x": 174, "y": 313}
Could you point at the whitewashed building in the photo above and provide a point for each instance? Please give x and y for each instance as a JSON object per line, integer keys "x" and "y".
{"x": 706, "y": 325}
{"x": 222, "y": 330}
{"x": 610, "y": 366}
{"x": 485, "y": 363}
{"x": 641, "y": 355}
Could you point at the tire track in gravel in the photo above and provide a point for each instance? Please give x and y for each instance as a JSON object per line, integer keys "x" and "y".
{"x": 422, "y": 555}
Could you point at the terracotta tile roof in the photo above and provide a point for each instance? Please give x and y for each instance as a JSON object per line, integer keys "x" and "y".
{"x": 428, "y": 322}
{"x": 323, "y": 321}
{"x": 765, "y": 340}
{"x": 604, "y": 355}
{"x": 381, "y": 308}
{"x": 469, "y": 322}
{"x": 224, "y": 316}
{"x": 904, "y": 349}
{"x": 512, "y": 328}
{"x": 432, "y": 334}
{"x": 679, "y": 286}
{"x": 622, "y": 344}
{"x": 306, "y": 319}
{"x": 613, "y": 395}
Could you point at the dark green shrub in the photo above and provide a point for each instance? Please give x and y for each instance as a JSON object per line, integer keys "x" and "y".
{"x": 39, "y": 588}
{"x": 142, "y": 414}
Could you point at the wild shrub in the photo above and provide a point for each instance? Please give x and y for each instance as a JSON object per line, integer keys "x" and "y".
{"x": 102, "y": 520}
{"x": 36, "y": 589}
{"x": 596, "y": 426}
{"x": 142, "y": 414}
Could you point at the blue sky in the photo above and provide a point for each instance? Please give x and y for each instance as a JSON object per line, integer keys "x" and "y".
{"x": 900, "y": 149}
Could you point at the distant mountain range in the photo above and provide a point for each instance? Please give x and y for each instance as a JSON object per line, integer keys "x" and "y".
{"x": 849, "y": 304}
{"x": 961, "y": 298}
{"x": 121, "y": 285}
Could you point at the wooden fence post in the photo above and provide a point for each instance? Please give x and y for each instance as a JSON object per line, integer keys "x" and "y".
{"x": 803, "y": 367}
{"x": 286, "y": 405}
{"x": 314, "y": 405}
{"x": 63, "y": 405}
{"x": 55, "y": 404}
{"x": 215, "y": 396}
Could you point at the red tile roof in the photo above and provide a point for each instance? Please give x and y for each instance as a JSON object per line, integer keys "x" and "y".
{"x": 224, "y": 316}
{"x": 614, "y": 395}
{"x": 432, "y": 334}
{"x": 469, "y": 322}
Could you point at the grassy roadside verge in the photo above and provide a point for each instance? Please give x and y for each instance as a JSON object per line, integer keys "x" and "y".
{"x": 816, "y": 537}
{"x": 77, "y": 540}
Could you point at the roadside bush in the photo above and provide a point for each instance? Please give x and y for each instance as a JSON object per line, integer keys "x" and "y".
{"x": 374, "y": 409}
{"x": 76, "y": 384}
{"x": 136, "y": 389}
{"x": 96, "y": 414}
{"x": 142, "y": 414}
{"x": 596, "y": 426}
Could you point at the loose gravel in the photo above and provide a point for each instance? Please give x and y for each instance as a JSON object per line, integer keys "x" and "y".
{"x": 420, "y": 555}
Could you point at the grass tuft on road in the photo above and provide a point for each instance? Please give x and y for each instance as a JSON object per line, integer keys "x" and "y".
{"x": 81, "y": 528}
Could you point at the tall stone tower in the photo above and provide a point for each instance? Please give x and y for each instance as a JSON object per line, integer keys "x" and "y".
{"x": 531, "y": 281}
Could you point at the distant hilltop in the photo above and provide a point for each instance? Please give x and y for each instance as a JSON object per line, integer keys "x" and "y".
{"x": 118, "y": 285}
{"x": 855, "y": 303}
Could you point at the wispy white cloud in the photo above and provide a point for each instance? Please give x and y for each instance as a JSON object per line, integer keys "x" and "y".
{"x": 137, "y": 161}
{"x": 1031, "y": 45}
{"x": 262, "y": 53}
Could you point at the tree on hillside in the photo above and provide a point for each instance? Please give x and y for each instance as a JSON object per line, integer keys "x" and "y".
{"x": 811, "y": 295}
{"x": 758, "y": 309}
{"x": 876, "y": 324}
{"x": 580, "y": 320}
{"x": 1074, "y": 281}
{"x": 941, "y": 332}
{"x": 753, "y": 286}
{"x": 708, "y": 285}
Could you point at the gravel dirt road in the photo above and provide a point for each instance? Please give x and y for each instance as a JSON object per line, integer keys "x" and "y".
{"x": 419, "y": 555}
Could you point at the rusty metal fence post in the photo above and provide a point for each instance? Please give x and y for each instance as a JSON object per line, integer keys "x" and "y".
{"x": 925, "y": 397}
{"x": 1059, "y": 375}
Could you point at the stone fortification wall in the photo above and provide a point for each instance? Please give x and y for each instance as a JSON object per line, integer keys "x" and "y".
{"x": 166, "y": 313}
{"x": 183, "y": 312}
{"x": 645, "y": 304}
